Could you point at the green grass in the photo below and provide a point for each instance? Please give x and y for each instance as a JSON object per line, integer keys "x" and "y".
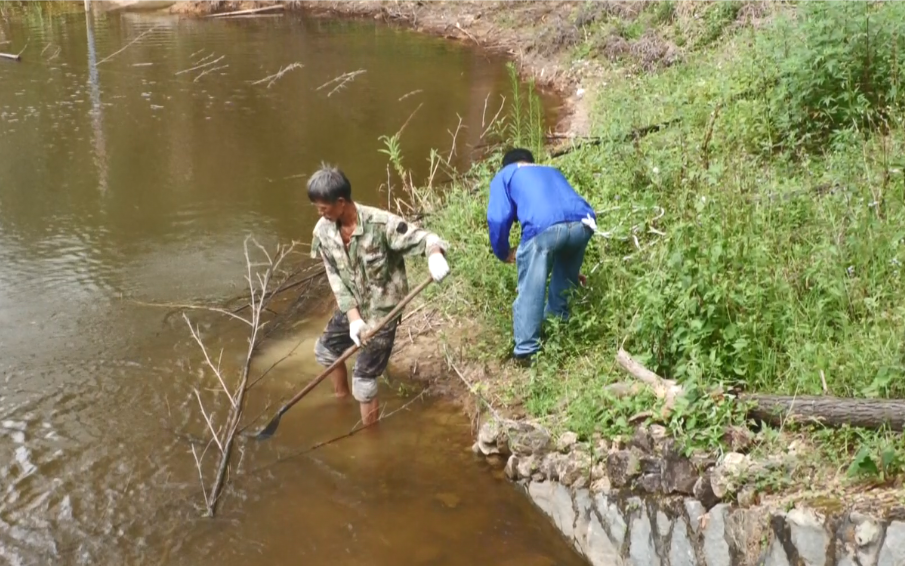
{"x": 756, "y": 242}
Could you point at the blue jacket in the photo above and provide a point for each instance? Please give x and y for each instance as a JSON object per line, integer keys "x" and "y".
{"x": 538, "y": 196}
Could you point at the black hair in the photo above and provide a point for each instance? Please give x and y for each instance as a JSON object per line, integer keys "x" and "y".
{"x": 329, "y": 184}
{"x": 516, "y": 155}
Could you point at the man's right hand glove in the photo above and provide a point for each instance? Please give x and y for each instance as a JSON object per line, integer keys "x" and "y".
{"x": 356, "y": 327}
{"x": 437, "y": 266}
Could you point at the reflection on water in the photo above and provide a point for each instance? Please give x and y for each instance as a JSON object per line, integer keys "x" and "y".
{"x": 127, "y": 178}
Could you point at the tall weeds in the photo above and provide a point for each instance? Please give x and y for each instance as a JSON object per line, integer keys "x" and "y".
{"x": 757, "y": 242}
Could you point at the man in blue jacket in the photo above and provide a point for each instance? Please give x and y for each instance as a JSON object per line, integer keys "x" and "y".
{"x": 553, "y": 241}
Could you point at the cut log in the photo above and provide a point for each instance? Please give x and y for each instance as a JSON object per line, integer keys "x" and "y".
{"x": 828, "y": 411}
{"x": 12, "y": 56}
{"x": 777, "y": 409}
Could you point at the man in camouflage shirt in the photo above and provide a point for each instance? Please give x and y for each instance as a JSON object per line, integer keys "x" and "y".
{"x": 363, "y": 249}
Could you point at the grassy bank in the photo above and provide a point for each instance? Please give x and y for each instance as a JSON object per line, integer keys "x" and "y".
{"x": 756, "y": 240}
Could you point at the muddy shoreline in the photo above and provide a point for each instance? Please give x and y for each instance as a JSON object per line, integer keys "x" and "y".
{"x": 506, "y": 28}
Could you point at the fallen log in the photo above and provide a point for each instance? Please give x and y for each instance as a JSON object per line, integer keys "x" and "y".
{"x": 12, "y": 56}
{"x": 828, "y": 411}
{"x": 775, "y": 409}
{"x": 246, "y": 12}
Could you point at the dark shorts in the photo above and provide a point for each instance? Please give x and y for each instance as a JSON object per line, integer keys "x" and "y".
{"x": 373, "y": 357}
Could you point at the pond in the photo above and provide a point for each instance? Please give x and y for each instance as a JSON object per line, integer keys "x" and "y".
{"x": 136, "y": 153}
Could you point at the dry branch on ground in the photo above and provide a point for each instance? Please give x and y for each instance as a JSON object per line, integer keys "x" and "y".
{"x": 773, "y": 409}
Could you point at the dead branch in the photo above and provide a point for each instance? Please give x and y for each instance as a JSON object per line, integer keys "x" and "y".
{"x": 224, "y": 435}
{"x": 115, "y": 53}
{"x": 201, "y": 66}
{"x": 342, "y": 81}
{"x": 279, "y": 74}
{"x": 246, "y": 12}
{"x": 455, "y": 135}
{"x": 775, "y": 409}
{"x": 206, "y": 71}
{"x": 414, "y": 92}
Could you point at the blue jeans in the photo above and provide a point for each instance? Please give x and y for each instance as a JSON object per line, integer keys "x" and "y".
{"x": 557, "y": 252}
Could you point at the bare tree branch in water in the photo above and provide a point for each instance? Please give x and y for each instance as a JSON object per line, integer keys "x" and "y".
{"x": 115, "y": 53}
{"x": 202, "y": 65}
{"x": 279, "y": 74}
{"x": 414, "y": 92}
{"x": 223, "y": 434}
{"x": 206, "y": 71}
{"x": 342, "y": 81}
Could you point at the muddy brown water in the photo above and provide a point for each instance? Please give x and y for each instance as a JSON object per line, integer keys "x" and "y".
{"x": 124, "y": 181}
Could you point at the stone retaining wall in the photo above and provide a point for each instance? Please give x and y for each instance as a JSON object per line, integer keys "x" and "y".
{"x": 614, "y": 530}
{"x": 641, "y": 502}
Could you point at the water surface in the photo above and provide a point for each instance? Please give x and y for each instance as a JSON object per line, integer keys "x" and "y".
{"x": 125, "y": 179}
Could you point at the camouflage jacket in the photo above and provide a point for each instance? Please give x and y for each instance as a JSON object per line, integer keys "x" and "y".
{"x": 371, "y": 276}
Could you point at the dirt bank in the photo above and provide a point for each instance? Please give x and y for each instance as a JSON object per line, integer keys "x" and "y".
{"x": 513, "y": 28}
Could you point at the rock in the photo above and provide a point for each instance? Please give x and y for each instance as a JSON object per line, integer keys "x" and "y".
{"x": 598, "y": 471}
{"x": 641, "y": 440}
{"x": 867, "y": 538}
{"x": 695, "y": 511}
{"x": 702, "y": 461}
{"x": 538, "y": 477}
{"x": 601, "y": 551}
{"x": 612, "y": 519}
{"x": 642, "y": 551}
{"x": 776, "y": 555}
{"x": 650, "y": 465}
{"x": 738, "y": 438}
{"x": 664, "y": 525}
{"x": 554, "y": 499}
{"x": 526, "y": 440}
{"x": 748, "y": 497}
{"x": 492, "y": 439}
{"x": 703, "y": 492}
{"x": 716, "y": 549}
{"x": 526, "y": 466}
{"x": 580, "y": 483}
{"x": 573, "y": 467}
{"x": 679, "y": 474}
{"x": 550, "y": 464}
{"x": 601, "y": 447}
{"x": 476, "y": 448}
{"x": 858, "y": 540}
{"x": 511, "y": 469}
{"x": 650, "y": 483}
{"x": 866, "y": 533}
{"x": 726, "y": 475}
{"x": 659, "y": 435}
{"x": 622, "y": 466}
{"x": 566, "y": 441}
{"x": 681, "y": 552}
{"x": 809, "y": 536}
{"x": 583, "y": 505}
{"x": 601, "y": 486}
{"x": 893, "y": 551}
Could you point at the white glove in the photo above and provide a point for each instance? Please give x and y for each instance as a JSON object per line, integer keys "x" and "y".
{"x": 355, "y": 329}
{"x": 437, "y": 265}
{"x": 589, "y": 222}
